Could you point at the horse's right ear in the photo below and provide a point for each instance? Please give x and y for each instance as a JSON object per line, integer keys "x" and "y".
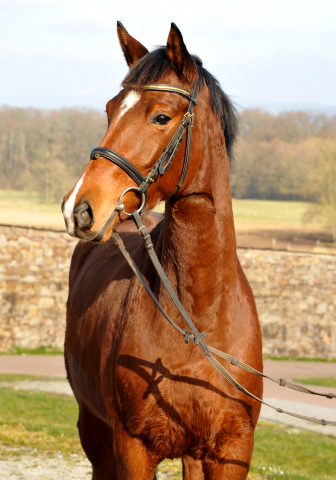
{"x": 179, "y": 56}
{"x": 133, "y": 50}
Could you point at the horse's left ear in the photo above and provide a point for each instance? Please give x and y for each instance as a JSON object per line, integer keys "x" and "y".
{"x": 133, "y": 50}
{"x": 179, "y": 56}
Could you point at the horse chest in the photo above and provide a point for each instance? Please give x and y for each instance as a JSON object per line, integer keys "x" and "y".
{"x": 173, "y": 408}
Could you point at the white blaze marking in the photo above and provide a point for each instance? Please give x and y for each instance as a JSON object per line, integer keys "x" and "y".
{"x": 70, "y": 204}
{"x": 129, "y": 101}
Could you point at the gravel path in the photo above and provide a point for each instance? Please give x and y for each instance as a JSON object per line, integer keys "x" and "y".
{"x": 269, "y": 415}
{"x": 41, "y": 467}
{"x": 50, "y": 386}
{"x": 32, "y": 466}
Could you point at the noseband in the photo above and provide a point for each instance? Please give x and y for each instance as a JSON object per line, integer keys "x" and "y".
{"x": 164, "y": 161}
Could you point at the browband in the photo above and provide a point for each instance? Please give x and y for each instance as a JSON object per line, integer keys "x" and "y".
{"x": 162, "y": 87}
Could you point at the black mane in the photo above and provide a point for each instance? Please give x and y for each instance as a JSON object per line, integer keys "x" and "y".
{"x": 152, "y": 67}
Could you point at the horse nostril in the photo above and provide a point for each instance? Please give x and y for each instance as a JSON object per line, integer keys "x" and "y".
{"x": 83, "y": 215}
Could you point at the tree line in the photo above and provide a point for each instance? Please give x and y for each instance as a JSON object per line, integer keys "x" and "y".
{"x": 277, "y": 156}
{"x": 46, "y": 151}
{"x": 289, "y": 156}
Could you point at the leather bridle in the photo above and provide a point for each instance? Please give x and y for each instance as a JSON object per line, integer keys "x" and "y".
{"x": 165, "y": 160}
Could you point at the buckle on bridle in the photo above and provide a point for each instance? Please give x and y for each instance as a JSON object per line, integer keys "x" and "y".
{"x": 191, "y": 119}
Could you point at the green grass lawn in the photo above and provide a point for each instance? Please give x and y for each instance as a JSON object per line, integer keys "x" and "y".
{"x": 38, "y": 420}
{"x": 292, "y": 454}
{"x": 46, "y": 423}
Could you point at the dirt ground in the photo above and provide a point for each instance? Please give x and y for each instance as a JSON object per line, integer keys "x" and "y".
{"x": 249, "y": 234}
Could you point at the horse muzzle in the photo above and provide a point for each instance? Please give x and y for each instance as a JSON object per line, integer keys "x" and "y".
{"x": 79, "y": 222}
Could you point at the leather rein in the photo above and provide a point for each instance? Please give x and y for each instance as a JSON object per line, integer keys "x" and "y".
{"x": 160, "y": 167}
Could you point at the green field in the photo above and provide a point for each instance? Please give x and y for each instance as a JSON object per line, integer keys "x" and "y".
{"x": 255, "y": 211}
{"x": 46, "y": 423}
{"x": 269, "y": 212}
{"x": 12, "y": 199}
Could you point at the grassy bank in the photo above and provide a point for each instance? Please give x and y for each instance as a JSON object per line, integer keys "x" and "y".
{"x": 33, "y": 351}
{"x": 320, "y": 382}
{"x": 46, "y": 423}
{"x": 291, "y": 358}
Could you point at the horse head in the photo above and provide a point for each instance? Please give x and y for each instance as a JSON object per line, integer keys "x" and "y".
{"x": 141, "y": 123}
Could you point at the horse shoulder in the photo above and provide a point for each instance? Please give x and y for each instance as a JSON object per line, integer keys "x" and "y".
{"x": 81, "y": 251}
{"x": 131, "y": 237}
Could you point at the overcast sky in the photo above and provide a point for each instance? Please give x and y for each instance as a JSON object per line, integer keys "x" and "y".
{"x": 62, "y": 53}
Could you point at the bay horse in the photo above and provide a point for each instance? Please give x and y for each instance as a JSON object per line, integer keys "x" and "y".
{"x": 143, "y": 394}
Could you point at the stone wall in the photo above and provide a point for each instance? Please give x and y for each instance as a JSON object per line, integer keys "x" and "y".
{"x": 34, "y": 266}
{"x": 295, "y": 294}
{"x": 296, "y": 299}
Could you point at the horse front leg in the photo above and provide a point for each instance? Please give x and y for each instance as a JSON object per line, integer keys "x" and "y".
{"x": 97, "y": 441}
{"x": 224, "y": 470}
{"x": 113, "y": 453}
{"x": 133, "y": 461}
{"x": 233, "y": 462}
{"x": 192, "y": 469}
{"x": 214, "y": 470}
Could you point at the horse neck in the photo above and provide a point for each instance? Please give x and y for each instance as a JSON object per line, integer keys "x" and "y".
{"x": 199, "y": 247}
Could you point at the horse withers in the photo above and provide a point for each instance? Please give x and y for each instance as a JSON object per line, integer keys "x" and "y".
{"x": 143, "y": 393}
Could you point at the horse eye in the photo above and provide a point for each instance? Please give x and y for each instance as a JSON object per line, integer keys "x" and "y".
{"x": 162, "y": 119}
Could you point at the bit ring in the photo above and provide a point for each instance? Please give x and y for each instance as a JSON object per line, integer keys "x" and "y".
{"x": 122, "y": 206}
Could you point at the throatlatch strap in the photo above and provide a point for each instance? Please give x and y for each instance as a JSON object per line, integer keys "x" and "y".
{"x": 197, "y": 337}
